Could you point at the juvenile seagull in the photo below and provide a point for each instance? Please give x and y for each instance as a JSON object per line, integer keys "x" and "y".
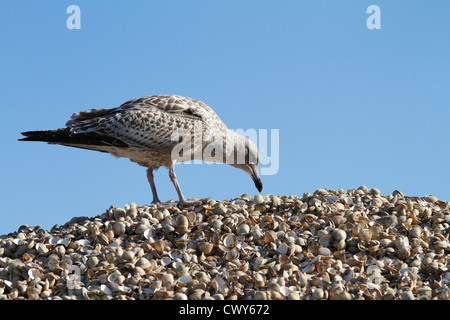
{"x": 157, "y": 131}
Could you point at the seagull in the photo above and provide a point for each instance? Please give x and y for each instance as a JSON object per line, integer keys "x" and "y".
{"x": 155, "y": 131}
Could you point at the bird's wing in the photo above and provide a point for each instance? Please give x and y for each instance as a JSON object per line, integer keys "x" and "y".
{"x": 148, "y": 122}
{"x": 169, "y": 104}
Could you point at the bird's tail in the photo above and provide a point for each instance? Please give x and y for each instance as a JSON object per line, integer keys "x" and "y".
{"x": 53, "y": 136}
{"x": 65, "y": 137}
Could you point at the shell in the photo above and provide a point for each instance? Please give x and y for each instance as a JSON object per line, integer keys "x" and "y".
{"x": 229, "y": 240}
{"x": 181, "y": 224}
{"x": 119, "y": 228}
{"x": 206, "y": 247}
{"x": 34, "y": 274}
{"x": 283, "y": 248}
{"x": 270, "y": 236}
{"x": 331, "y": 244}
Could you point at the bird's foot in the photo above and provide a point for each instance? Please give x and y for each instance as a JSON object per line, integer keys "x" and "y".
{"x": 167, "y": 204}
{"x": 183, "y": 203}
{"x": 191, "y": 201}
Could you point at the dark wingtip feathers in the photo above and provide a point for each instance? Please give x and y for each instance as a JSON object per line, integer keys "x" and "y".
{"x": 65, "y": 137}
{"x": 45, "y": 135}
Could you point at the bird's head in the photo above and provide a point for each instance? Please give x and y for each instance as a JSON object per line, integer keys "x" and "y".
{"x": 247, "y": 159}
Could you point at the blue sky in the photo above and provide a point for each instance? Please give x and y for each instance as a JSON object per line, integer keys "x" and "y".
{"x": 353, "y": 106}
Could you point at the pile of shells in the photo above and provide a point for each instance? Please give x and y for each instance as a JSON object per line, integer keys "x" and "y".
{"x": 333, "y": 244}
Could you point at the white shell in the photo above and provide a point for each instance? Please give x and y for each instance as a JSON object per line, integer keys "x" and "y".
{"x": 113, "y": 276}
{"x": 58, "y": 240}
{"x": 123, "y": 289}
{"x": 41, "y": 248}
{"x": 220, "y": 285}
{"x": 285, "y": 291}
{"x": 229, "y": 240}
{"x": 105, "y": 289}
{"x": 83, "y": 242}
{"x": 18, "y": 241}
{"x": 185, "y": 278}
{"x": 331, "y": 199}
{"x": 348, "y": 201}
{"x": 176, "y": 254}
{"x": 34, "y": 273}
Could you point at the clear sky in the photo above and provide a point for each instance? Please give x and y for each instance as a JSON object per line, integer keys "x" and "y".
{"x": 354, "y": 106}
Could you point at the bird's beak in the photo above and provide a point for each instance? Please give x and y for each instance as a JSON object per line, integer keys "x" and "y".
{"x": 256, "y": 180}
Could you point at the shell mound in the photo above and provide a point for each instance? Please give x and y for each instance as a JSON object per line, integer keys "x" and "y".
{"x": 333, "y": 244}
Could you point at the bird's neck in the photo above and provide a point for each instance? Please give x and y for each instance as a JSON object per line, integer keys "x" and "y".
{"x": 224, "y": 148}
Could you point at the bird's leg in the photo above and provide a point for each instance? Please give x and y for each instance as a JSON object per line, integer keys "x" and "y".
{"x": 152, "y": 185}
{"x": 173, "y": 178}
